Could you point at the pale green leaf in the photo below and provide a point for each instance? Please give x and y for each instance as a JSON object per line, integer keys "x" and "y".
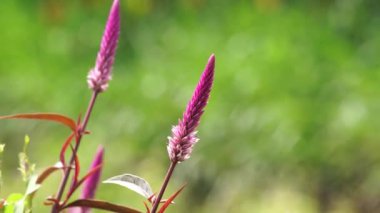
{"x": 132, "y": 182}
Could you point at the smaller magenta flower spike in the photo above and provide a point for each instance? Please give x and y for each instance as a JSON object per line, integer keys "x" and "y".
{"x": 90, "y": 184}
{"x": 183, "y": 136}
{"x": 101, "y": 74}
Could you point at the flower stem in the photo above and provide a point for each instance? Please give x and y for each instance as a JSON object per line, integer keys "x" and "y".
{"x": 164, "y": 185}
{"x": 67, "y": 171}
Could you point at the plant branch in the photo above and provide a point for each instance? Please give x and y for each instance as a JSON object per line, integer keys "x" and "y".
{"x": 164, "y": 185}
{"x": 67, "y": 171}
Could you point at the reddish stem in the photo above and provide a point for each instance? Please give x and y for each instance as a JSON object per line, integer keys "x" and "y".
{"x": 164, "y": 185}
{"x": 67, "y": 171}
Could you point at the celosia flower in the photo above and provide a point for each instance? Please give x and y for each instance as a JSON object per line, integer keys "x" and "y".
{"x": 100, "y": 75}
{"x": 90, "y": 184}
{"x": 183, "y": 136}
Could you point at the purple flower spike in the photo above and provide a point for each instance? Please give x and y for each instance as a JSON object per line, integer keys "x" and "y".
{"x": 100, "y": 75}
{"x": 89, "y": 186}
{"x": 184, "y": 137}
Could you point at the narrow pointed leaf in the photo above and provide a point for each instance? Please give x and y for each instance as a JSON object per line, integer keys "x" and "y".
{"x": 44, "y": 116}
{"x": 35, "y": 181}
{"x": 99, "y": 204}
{"x": 47, "y": 172}
{"x": 31, "y": 190}
{"x": 64, "y": 148}
{"x": 147, "y": 208}
{"x": 132, "y": 182}
{"x": 77, "y": 166}
{"x": 81, "y": 181}
{"x": 170, "y": 200}
{"x": 74, "y": 184}
{"x": 14, "y": 203}
{"x": 33, "y": 186}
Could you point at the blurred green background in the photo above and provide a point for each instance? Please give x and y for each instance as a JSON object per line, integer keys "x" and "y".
{"x": 292, "y": 124}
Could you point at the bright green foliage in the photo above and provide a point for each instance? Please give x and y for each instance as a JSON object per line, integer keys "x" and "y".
{"x": 22, "y": 203}
{"x": 25, "y": 167}
{"x": 30, "y": 191}
{"x": 14, "y": 203}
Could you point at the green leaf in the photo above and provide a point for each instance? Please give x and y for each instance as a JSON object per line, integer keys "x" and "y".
{"x": 14, "y": 203}
{"x": 132, "y": 182}
{"x": 26, "y": 168}
{"x": 33, "y": 186}
{"x": 48, "y": 171}
{"x": 19, "y": 203}
{"x": 35, "y": 181}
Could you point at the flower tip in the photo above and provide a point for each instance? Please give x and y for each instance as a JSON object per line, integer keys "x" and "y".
{"x": 100, "y": 147}
{"x": 211, "y": 63}
{"x": 98, "y": 158}
{"x": 115, "y": 5}
{"x": 100, "y": 151}
{"x": 212, "y": 57}
{"x": 114, "y": 16}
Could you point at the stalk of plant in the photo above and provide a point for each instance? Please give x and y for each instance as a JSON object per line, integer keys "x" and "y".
{"x": 183, "y": 137}
{"x": 97, "y": 79}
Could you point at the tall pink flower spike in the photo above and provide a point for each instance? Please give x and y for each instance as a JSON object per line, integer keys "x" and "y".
{"x": 183, "y": 136}
{"x": 100, "y": 75}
